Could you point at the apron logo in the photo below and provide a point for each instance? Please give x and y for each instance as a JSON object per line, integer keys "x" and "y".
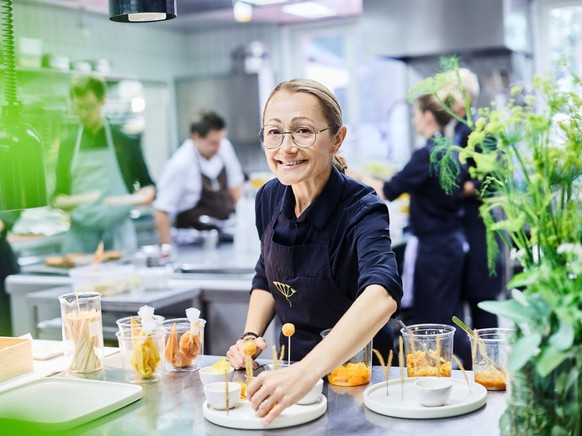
{"x": 286, "y": 290}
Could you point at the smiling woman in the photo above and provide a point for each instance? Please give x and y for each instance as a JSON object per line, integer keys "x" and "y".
{"x": 326, "y": 257}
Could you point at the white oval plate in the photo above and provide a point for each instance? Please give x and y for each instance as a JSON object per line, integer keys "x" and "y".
{"x": 461, "y": 401}
{"x": 243, "y": 417}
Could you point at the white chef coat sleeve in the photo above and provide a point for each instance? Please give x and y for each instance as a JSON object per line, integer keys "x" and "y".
{"x": 170, "y": 188}
{"x": 234, "y": 171}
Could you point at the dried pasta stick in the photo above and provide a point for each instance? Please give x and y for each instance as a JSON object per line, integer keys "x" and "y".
{"x": 226, "y": 390}
{"x": 282, "y": 354}
{"x": 275, "y": 361}
{"x": 388, "y": 365}
{"x": 249, "y": 349}
{"x": 383, "y": 366}
{"x": 401, "y": 364}
{"x": 438, "y": 353}
{"x": 463, "y": 370}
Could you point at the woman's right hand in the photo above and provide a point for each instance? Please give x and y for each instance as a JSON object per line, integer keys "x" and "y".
{"x": 236, "y": 356}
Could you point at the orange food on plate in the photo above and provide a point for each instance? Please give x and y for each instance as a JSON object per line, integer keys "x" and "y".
{"x": 352, "y": 374}
{"x": 288, "y": 329}
{"x": 249, "y": 348}
{"x": 424, "y": 364}
{"x": 491, "y": 379}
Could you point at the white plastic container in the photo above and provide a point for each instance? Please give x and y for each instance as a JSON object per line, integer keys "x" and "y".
{"x": 155, "y": 278}
{"x": 107, "y": 279}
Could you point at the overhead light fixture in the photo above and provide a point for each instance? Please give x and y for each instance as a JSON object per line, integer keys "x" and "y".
{"x": 22, "y": 169}
{"x": 141, "y": 11}
{"x": 309, "y": 10}
{"x": 265, "y": 2}
{"x": 243, "y": 12}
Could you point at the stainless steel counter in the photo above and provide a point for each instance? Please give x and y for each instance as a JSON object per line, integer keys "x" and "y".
{"x": 173, "y": 406}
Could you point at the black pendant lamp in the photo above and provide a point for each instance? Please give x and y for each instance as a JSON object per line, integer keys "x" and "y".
{"x": 141, "y": 11}
{"x": 22, "y": 169}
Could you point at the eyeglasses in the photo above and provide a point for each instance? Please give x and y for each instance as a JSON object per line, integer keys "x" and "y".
{"x": 304, "y": 137}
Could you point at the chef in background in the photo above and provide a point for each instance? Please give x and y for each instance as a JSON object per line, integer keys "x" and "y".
{"x": 202, "y": 181}
{"x": 478, "y": 283}
{"x": 436, "y": 250}
{"x": 8, "y": 266}
{"x": 101, "y": 176}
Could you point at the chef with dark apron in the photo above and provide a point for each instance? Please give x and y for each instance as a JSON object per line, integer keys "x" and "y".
{"x": 435, "y": 256}
{"x": 326, "y": 259}
{"x": 202, "y": 181}
{"x": 215, "y": 201}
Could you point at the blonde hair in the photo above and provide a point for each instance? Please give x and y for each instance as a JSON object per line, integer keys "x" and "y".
{"x": 454, "y": 89}
{"x": 328, "y": 102}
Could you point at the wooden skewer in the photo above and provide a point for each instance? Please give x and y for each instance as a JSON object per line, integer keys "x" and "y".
{"x": 226, "y": 390}
{"x": 463, "y": 370}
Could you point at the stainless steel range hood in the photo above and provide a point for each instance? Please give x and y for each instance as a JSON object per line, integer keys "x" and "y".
{"x": 412, "y": 28}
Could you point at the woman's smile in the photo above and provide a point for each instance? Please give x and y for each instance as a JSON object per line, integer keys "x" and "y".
{"x": 291, "y": 164}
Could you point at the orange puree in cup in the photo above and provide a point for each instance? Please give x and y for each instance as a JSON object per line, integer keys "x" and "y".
{"x": 352, "y": 374}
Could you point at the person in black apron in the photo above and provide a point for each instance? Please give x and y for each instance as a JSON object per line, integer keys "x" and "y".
{"x": 326, "y": 257}
{"x": 205, "y": 198}
{"x": 215, "y": 201}
{"x": 435, "y": 255}
{"x": 478, "y": 284}
{"x": 97, "y": 169}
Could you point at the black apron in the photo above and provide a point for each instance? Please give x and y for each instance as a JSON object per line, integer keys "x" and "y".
{"x": 305, "y": 292}
{"x": 215, "y": 201}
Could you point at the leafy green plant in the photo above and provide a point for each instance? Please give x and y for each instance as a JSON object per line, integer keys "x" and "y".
{"x": 528, "y": 157}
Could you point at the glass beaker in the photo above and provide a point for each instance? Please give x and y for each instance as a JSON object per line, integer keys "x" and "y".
{"x": 357, "y": 370}
{"x": 184, "y": 348}
{"x": 141, "y": 355}
{"x": 82, "y": 331}
{"x": 490, "y": 352}
{"x": 428, "y": 349}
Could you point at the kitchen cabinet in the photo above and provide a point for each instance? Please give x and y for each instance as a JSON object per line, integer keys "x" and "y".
{"x": 236, "y": 98}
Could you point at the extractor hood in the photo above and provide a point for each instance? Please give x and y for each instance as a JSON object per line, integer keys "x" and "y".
{"x": 412, "y": 28}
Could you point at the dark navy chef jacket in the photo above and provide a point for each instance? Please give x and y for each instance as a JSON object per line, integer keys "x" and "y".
{"x": 360, "y": 251}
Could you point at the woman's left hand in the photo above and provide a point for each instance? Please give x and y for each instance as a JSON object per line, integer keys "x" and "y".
{"x": 271, "y": 392}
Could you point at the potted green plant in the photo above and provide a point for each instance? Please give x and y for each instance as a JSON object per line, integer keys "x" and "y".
{"x": 531, "y": 172}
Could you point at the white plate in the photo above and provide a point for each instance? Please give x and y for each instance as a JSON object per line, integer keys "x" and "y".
{"x": 243, "y": 417}
{"x": 56, "y": 404}
{"x": 461, "y": 401}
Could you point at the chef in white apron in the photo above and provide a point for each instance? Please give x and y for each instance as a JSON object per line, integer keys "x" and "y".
{"x": 98, "y": 170}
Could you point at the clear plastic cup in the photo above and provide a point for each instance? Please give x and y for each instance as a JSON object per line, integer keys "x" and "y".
{"x": 356, "y": 371}
{"x": 125, "y": 322}
{"x": 82, "y": 331}
{"x": 183, "y": 350}
{"x": 490, "y": 353}
{"x": 142, "y": 356}
{"x": 428, "y": 349}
